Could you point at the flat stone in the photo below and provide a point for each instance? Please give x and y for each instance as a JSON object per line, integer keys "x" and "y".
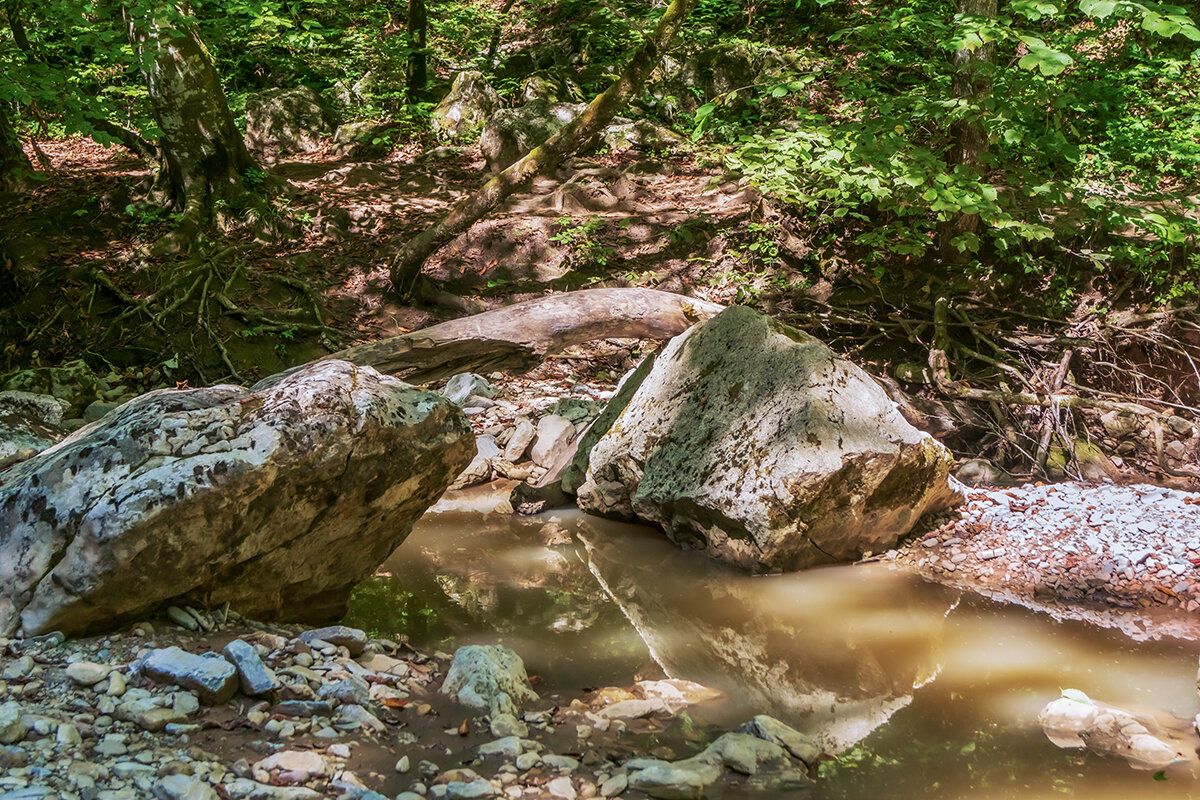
{"x": 18, "y": 669}
{"x": 348, "y": 691}
{"x": 509, "y": 746}
{"x": 12, "y": 726}
{"x": 518, "y": 443}
{"x": 246, "y": 789}
{"x": 480, "y": 788}
{"x": 86, "y": 673}
{"x": 356, "y": 716}
{"x": 304, "y": 708}
{"x": 183, "y": 787}
{"x": 213, "y": 679}
{"x": 253, "y": 676}
{"x": 305, "y": 761}
{"x": 554, "y": 435}
{"x": 352, "y": 639}
{"x": 614, "y": 785}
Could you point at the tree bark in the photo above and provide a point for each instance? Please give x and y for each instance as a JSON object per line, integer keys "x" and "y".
{"x": 521, "y": 336}
{"x": 418, "y": 25}
{"x": 408, "y": 262}
{"x": 494, "y": 43}
{"x": 15, "y": 169}
{"x": 972, "y": 83}
{"x": 204, "y": 156}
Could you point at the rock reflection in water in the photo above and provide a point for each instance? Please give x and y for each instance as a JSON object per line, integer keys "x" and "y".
{"x": 835, "y": 662}
{"x": 462, "y": 579}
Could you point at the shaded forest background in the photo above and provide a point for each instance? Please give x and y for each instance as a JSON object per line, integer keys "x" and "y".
{"x": 991, "y": 203}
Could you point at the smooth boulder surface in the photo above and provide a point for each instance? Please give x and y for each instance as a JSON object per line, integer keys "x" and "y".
{"x": 467, "y": 106}
{"x": 511, "y": 133}
{"x": 282, "y": 122}
{"x": 276, "y": 499}
{"x": 754, "y": 442}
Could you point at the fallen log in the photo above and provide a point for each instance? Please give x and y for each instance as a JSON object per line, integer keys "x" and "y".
{"x": 520, "y": 336}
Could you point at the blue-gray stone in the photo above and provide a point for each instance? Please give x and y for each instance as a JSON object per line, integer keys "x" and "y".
{"x": 254, "y": 677}
{"x": 212, "y": 678}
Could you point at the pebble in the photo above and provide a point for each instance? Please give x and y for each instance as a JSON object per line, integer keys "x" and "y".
{"x": 1112, "y": 546}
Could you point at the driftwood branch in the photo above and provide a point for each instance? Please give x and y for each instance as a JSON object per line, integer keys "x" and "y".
{"x": 520, "y": 336}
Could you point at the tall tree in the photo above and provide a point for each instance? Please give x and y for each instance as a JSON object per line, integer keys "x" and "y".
{"x": 205, "y": 160}
{"x": 406, "y": 267}
{"x": 971, "y": 84}
{"x": 14, "y": 164}
{"x": 418, "y": 25}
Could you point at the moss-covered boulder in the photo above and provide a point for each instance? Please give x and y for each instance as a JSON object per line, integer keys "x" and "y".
{"x": 283, "y": 122}
{"x": 754, "y": 442}
{"x": 463, "y": 111}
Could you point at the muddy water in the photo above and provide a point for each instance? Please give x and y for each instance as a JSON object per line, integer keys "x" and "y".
{"x": 920, "y": 690}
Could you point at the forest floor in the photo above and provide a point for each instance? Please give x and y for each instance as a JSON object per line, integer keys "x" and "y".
{"x": 85, "y": 283}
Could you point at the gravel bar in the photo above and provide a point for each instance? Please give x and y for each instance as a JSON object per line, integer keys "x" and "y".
{"x": 1124, "y": 556}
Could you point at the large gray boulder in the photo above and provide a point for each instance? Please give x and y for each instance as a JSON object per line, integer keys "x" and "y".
{"x": 276, "y": 499}
{"x": 754, "y": 442}
{"x": 510, "y": 133}
{"x": 73, "y": 382}
{"x": 465, "y": 108}
{"x": 29, "y": 423}
{"x": 283, "y": 122}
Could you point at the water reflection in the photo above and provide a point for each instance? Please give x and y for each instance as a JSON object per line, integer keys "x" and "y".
{"x": 834, "y": 652}
{"x": 940, "y": 693}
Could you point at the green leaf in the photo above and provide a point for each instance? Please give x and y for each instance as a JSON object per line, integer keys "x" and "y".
{"x": 1098, "y": 8}
{"x": 1077, "y": 696}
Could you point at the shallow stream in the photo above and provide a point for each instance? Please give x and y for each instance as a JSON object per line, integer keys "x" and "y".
{"x": 922, "y": 691}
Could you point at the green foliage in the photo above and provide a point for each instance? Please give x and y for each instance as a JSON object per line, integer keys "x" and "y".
{"x": 579, "y": 236}
{"x": 1081, "y": 124}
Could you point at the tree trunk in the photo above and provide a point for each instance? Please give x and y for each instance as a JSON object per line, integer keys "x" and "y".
{"x": 418, "y": 24}
{"x": 408, "y": 262}
{"x": 521, "y": 336}
{"x": 972, "y": 83}
{"x": 204, "y": 156}
{"x": 494, "y": 44}
{"x": 15, "y": 169}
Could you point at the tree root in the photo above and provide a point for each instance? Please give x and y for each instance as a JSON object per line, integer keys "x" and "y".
{"x": 197, "y": 291}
